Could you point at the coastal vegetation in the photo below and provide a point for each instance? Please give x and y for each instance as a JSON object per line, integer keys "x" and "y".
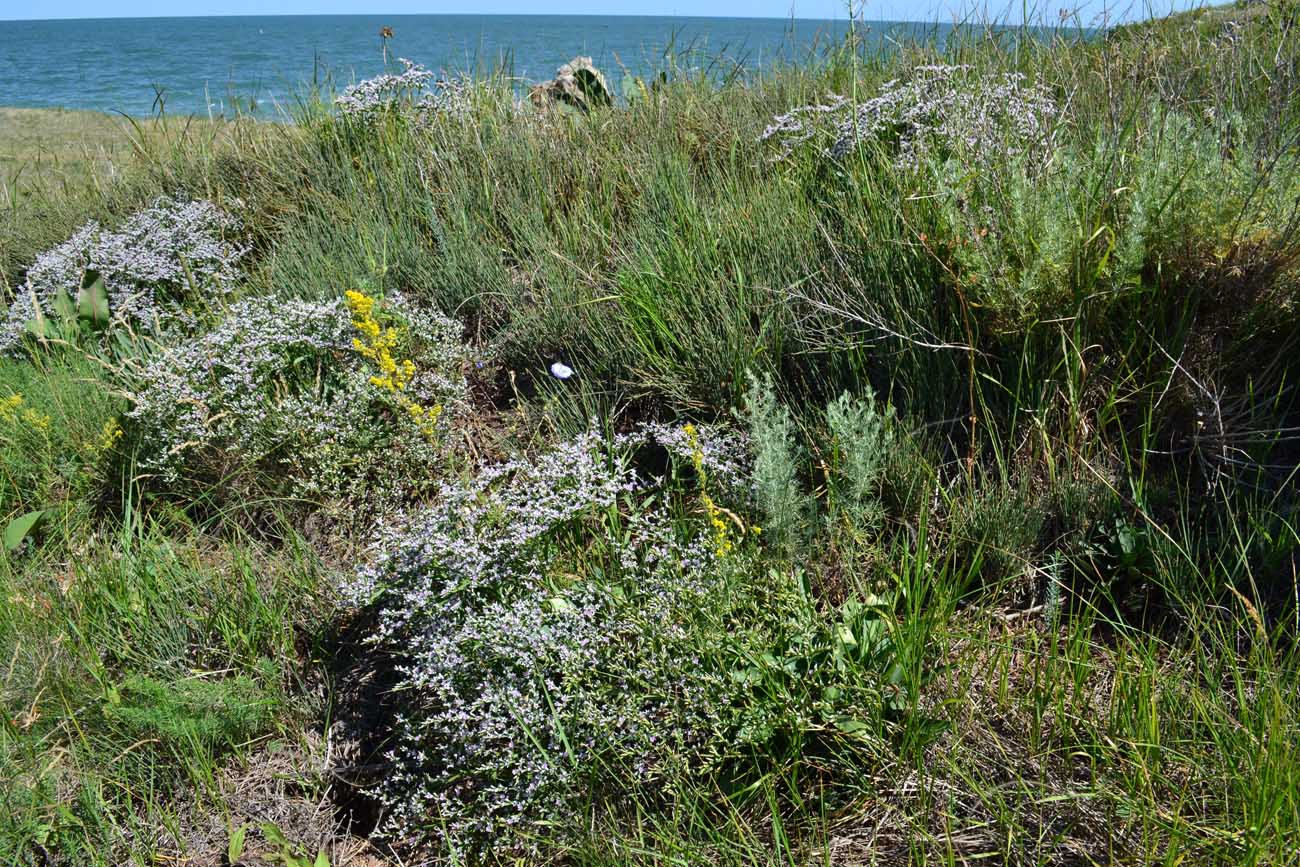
{"x": 886, "y": 459}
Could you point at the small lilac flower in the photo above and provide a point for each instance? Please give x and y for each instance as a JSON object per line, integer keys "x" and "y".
{"x": 515, "y": 682}
{"x": 559, "y": 370}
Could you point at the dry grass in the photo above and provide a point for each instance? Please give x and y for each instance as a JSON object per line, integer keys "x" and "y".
{"x": 53, "y": 149}
{"x": 56, "y": 151}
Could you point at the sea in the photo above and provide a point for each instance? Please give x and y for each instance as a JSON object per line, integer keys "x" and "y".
{"x": 262, "y": 65}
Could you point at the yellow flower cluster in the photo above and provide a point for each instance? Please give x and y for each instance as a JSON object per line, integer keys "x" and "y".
{"x": 697, "y": 452}
{"x": 10, "y": 414}
{"x": 36, "y": 420}
{"x": 9, "y": 407}
{"x": 723, "y": 543}
{"x": 376, "y": 344}
{"x": 111, "y": 434}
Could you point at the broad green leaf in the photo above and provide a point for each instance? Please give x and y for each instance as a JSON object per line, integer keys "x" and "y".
{"x": 64, "y": 305}
{"x": 275, "y": 836}
{"x": 19, "y": 528}
{"x": 851, "y": 726}
{"x": 235, "y": 848}
{"x": 92, "y": 302}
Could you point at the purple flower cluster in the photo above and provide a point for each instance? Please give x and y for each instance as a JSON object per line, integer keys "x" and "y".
{"x": 376, "y": 94}
{"x": 450, "y": 98}
{"x": 938, "y": 110}
{"x": 159, "y": 259}
{"x": 724, "y": 454}
{"x": 802, "y": 124}
{"x": 279, "y": 380}
{"x": 547, "y": 628}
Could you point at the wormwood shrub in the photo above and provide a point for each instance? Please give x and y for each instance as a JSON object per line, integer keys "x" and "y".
{"x": 857, "y": 454}
{"x": 332, "y": 401}
{"x": 776, "y": 444}
{"x": 862, "y": 436}
{"x": 564, "y": 635}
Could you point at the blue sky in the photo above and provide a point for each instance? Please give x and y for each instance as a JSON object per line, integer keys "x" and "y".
{"x": 925, "y": 10}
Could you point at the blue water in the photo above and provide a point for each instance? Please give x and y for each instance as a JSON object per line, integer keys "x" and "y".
{"x": 219, "y": 65}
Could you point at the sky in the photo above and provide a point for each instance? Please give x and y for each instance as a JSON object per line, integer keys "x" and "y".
{"x": 887, "y": 10}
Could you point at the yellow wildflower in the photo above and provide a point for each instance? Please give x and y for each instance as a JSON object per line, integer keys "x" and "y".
{"x": 9, "y": 407}
{"x": 722, "y": 544}
{"x": 697, "y": 452}
{"x": 722, "y": 539}
{"x": 37, "y": 420}
{"x": 359, "y": 303}
{"x": 111, "y": 434}
{"x": 376, "y": 344}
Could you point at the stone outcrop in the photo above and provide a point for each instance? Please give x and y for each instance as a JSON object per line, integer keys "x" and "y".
{"x": 577, "y": 83}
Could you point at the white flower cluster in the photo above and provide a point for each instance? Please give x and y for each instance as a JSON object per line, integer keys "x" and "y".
{"x": 450, "y": 98}
{"x": 521, "y": 686}
{"x": 378, "y": 93}
{"x": 279, "y": 383}
{"x": 159, "y": 259}
{"x": 447, "y": 97}
{"x": 938, "y": 110}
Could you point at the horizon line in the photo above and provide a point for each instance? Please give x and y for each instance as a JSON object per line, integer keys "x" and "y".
{"x": 846, "y": 19}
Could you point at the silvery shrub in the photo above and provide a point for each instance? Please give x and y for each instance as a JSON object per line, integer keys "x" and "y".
{"x": 938, "y": 111}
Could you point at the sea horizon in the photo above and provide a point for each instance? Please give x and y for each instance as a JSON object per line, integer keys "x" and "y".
{"x": 449, "y": 15}
{"x": 209, "y": 65}
{"x": 260, "y": 64}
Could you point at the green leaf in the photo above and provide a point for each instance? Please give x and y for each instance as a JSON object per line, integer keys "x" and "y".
{"x": 322, "y": 860}
{"x": 275, "y": 836}
{"x": 851, "y": 726}
{"x": 235, "y": 848}
{"x": 64, "y": 305}
{"x": 36, "y": 327}
{"x": 19, "y": 528}
{"x": 92, "y": 301}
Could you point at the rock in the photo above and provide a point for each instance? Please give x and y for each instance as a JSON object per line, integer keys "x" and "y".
{"x": 577, "y": 83}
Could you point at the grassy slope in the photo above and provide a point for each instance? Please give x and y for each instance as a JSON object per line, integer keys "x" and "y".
{"x": 1150, "y": 716}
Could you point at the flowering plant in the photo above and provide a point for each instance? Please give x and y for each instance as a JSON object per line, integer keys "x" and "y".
{"x": 939, "y": 111}
{"x": 151, "y": 270}
{"x": 280, "y": 383}
{"x": 545, "y": 618}
{"x": 372, "y": 97}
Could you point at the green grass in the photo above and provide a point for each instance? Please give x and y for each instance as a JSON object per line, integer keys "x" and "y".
{"x": 1041, "y": 598}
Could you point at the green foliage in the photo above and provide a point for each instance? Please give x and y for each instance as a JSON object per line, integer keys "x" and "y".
{"x": 1023, "y": 592}
{"x": 287, "y": 853}
{"x": 777, "y": 488}
{"x": 58, "y": 433}
{"x": 862, "y": 438}
{"x": 84, "y": 315}
{"x": 190, "y": 715}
